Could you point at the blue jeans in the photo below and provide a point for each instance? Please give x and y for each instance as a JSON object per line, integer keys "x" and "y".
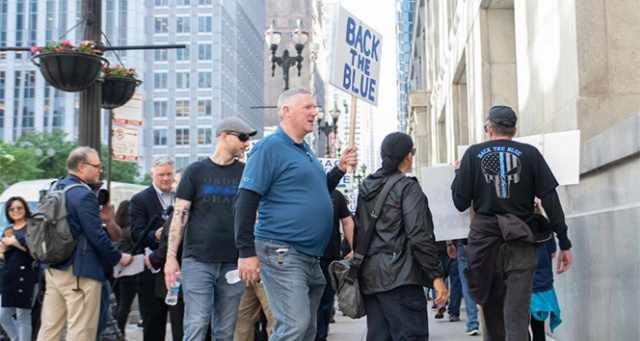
{"x": 470, "y": 305}
{"x": 209, "y": 299}
{"x": 450, "y": 267}
{"x": 294, "y": 284}
{"x": 18, "y": 328}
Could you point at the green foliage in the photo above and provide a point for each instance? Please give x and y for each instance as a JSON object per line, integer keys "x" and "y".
{"x": 147, "y": 181}
{"x": 44, "y": 155}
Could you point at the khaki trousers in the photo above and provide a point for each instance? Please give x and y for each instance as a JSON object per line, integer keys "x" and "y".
{"x": 65, "y": 303}
{"x": 253, "y": 299}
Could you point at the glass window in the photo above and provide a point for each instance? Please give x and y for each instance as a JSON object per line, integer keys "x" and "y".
{"x": 182, "y": 136}
{"x": 182, "y": 107}
{"x": 183, "y": 54}
{"x": 183, "y": 2}
{"x": 182, "y": 80}
{"x": 204, "y": 135}
{"x": 204, "y": 24}
{"x": 160, "y": 108}
{"x": 204, "y": 2}
{"x": 162, "y": 2}
{"x": 204, "y": 52}
{"x": 204, "y": 80}
{"x": 181, "y": 162}
{"x": 159, "y": 137}
{"x": 160, "y": 80}
{"x": 160, "y": 55}
{"x": 162, "y": 25}
{"x": 204, "y": 107}
{"x": 183, "y": 24}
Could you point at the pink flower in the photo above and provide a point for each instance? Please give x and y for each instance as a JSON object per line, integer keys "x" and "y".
{"x": 66, "y": 43}
{"x": 34, "y": 49}
{"x": 58, "y": 49}
{"x": 97, "y": 51}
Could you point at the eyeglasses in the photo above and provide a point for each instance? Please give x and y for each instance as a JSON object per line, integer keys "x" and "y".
{"x": 16, "y": 209}
{"x": 240, "y": 136}
{"x": 413, "y": 151}
{"x": 98, "y": 166}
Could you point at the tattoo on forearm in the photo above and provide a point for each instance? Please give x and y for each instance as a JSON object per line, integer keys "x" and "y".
{"x": 178, "y": 222}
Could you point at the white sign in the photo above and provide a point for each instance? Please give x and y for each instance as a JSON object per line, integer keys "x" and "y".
{"x": 448, "y": 222}
{"x": 356, "y": 63}
{"x": 125, "y": 144}
{"x": 130, "y": 113}
{"x": 347, "y": 180}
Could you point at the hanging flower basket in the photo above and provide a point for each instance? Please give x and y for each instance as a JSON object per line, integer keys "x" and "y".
{"x": 118, "y": 87}
{"x": 67, "y": 67}
{"x": 116, "y": 91}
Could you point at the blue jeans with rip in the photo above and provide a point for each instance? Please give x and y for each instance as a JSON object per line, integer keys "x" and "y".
{"x": 294, "y": 284}
{"x": 470, "y": 305}
{"x": 209, "y": 299}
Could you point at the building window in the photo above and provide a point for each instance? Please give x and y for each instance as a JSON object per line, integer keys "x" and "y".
{"x": 162, "y": 25}
{"x": 204, "y": 80}
{"x": 160, "y": 80}
{"x": 182, "y": 80}
{"x": 181, "y": 162}
{"x": 160, "y": 55}
{"x": 204, "y": 24}
{"x": 160, "y": 109}
{"x": 182, "y": 136}
{"x": 183, "y": 2}
{"x": 183, "y": 54}
{"x": 183, "y": 24}
{"x": 204, "y": 2}
{"x": 182, "y": 107}
{"x": 204, "y": 135}
{"x": 204, "y": 52}
{"x": 159, "y": 137}
{"x": 204, "y": 107}
{"x": 162, "y": 2}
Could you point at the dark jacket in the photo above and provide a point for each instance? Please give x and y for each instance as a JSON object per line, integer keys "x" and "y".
{"x": 158, "y": 257}
{"x": 144, "y": 206}
{"x": 486, "y": 235}
{"x": 94, "y": 244}
{"x": 402, "y": 247}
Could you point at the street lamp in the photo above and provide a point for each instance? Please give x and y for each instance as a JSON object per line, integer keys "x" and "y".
{"x": 273, "y": 38}
{"x": 329, "y": 127}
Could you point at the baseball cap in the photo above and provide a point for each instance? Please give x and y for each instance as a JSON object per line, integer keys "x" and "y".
{"x": 503, "y": 115}
{"x": 234, "y": 124}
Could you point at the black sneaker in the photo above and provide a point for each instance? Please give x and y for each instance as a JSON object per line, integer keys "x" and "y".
{"x": 434, "y": 306}
{"x": 473, "y": 331}
{"x": 454, "y": 318}
{"x": 440, "y": 312}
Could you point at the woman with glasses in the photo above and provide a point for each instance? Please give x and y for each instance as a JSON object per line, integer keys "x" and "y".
{"x": 19, "y": 278}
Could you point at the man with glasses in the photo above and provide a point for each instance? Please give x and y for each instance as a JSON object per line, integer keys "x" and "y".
{"x": 501, "y": 178}
{"x": 153, "y": 202}
{"x": 285, "y": 182}
{"x": 73, "y": 287}
{"x": 204, "y": 202}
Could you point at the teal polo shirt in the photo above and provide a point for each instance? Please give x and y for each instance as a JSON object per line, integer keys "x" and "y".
{"x": 295, "y": 208}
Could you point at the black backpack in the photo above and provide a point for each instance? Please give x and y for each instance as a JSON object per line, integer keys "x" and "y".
{"x": 49, "y": 239}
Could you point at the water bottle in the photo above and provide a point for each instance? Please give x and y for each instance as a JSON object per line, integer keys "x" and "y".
{"x": 172, "y": 294}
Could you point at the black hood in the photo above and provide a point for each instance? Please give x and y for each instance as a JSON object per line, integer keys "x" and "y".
{"x": 372, "y": 184}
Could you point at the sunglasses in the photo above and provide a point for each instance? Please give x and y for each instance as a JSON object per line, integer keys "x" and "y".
{"x": 413, "y": 151}
{"x": 16, "y": 209}
{"x": 240, "y": 136}
{"x": 98, "y": 166}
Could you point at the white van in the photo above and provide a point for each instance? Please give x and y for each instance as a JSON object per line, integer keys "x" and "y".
{"x": 31, "y": 190}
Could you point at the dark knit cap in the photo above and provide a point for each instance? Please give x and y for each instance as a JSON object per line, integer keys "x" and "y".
{"x": 503, "y": 115}
{"x": 395, "y": 147}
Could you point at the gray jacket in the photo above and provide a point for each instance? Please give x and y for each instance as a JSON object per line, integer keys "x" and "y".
{"x": 402, "y": 249}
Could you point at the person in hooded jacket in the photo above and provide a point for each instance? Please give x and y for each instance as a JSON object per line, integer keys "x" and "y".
{"x": 401, "y": 251}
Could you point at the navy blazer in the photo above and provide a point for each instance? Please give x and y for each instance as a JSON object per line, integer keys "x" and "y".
{"x": 143, "y": 207}
{"x": 83, "y": 215}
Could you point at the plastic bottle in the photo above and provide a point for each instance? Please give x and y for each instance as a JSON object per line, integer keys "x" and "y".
{"x": 232, "y": 277}
{"x": 172, "y": 294}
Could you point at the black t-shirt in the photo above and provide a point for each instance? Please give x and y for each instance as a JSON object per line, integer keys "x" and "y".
{"x": 503, "y": 176}
{"x": 211, "y": 188}
{"x": 340, "y": 211}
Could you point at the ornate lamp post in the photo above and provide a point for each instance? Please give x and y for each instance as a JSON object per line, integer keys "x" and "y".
{"x": 273, "y": 38}
{"x": 329, "y": 127}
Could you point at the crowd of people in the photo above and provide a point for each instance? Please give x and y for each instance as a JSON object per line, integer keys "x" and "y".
{"x": 276, "y": 222}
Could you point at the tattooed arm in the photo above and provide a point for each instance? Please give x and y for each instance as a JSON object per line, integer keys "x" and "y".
{"x": 178, "y": 222}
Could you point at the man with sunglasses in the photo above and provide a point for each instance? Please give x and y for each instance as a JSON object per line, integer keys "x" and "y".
{"x": 204, "y": 201}
{"x": 288, "y": 187}
{"x": 501, "y": 178}
{"x": 74, "y": 286}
